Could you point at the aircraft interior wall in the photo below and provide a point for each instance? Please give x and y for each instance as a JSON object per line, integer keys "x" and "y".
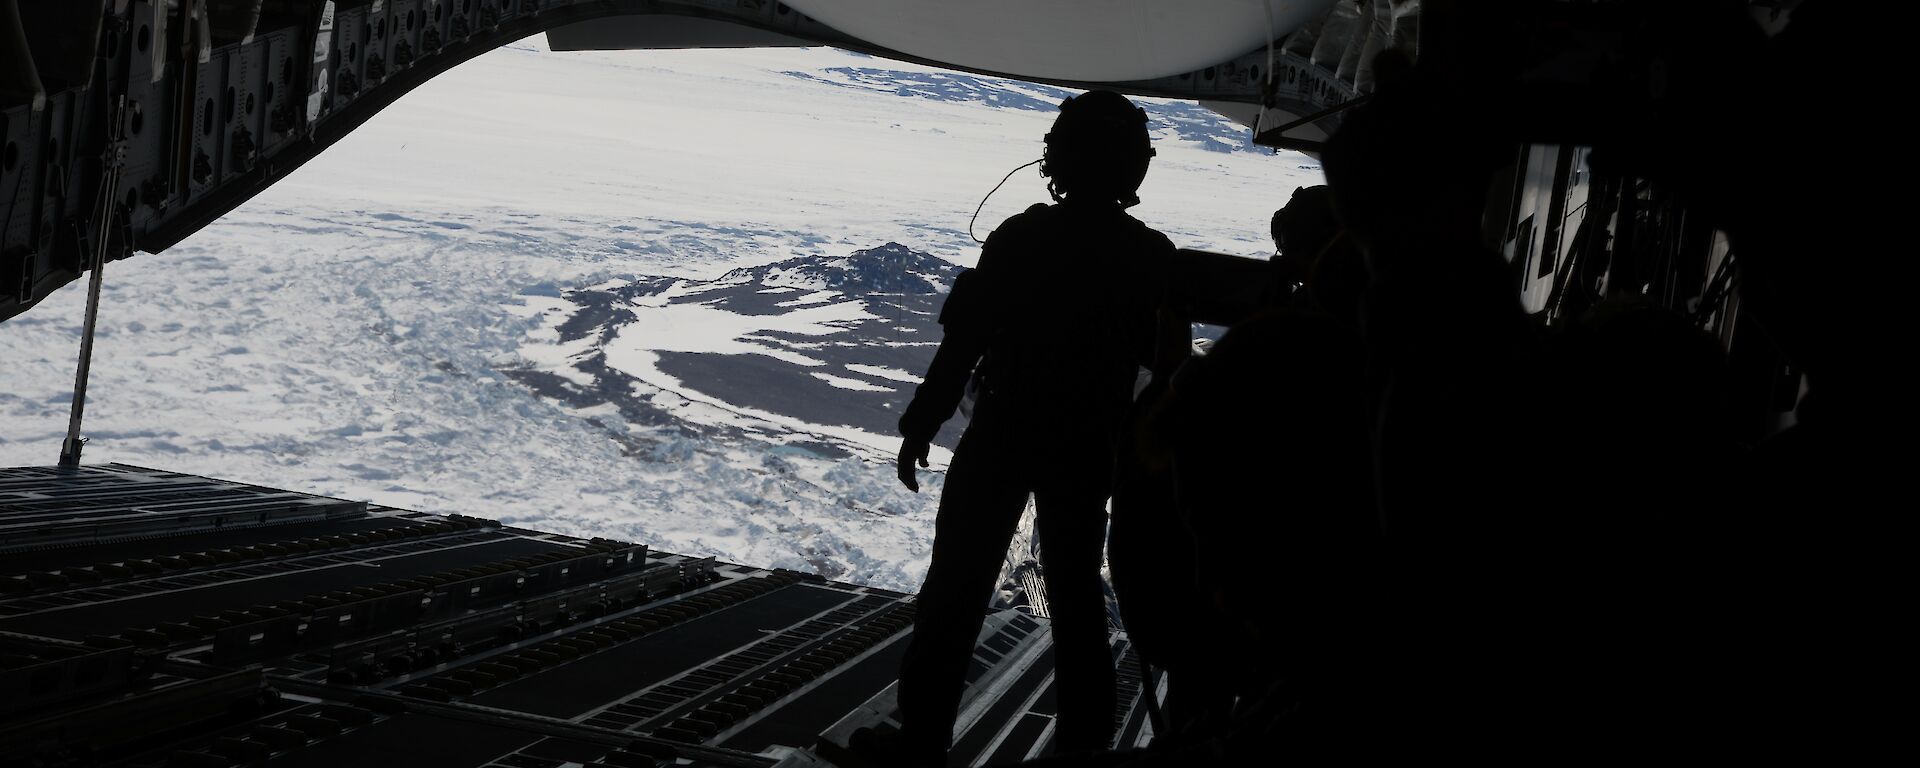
{"x": 1572, "y": 239}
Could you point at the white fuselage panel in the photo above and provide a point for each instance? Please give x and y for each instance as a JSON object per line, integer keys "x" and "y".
{"x": 1086, "y": 40}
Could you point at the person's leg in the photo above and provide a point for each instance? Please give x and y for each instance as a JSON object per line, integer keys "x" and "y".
{"x": 1072, "y": 523}
{"x": 979, "y": 508}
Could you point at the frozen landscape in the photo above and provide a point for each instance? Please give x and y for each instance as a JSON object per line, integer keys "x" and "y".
{"x": 674, "y": 297}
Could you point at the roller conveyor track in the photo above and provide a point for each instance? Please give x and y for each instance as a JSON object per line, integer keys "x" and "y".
{"x": 333, "y": 632}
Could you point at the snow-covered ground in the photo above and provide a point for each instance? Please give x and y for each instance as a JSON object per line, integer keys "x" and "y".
{"x": 354, "y": 331}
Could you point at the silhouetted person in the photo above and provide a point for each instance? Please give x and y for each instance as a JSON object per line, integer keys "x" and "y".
{"x": 1274, "y": 474}
{"x": 1647, "y": 432}
{"x": 1243, "y": 410}
{"x": 1442, "y": 320}
{"x": 1151, "y": 558}
{"x": 1316, "y": 256}
{"x": 1301, "y": 230}
{"x": 1449, "y": 351}
{"x": 1151, "y": 554}
{"x": 1270, "y": 448}
{"x": 1638, "y": 455}
{"x": 1338, "y": 281}
{"x": 1807, "y": 563}
{"x": 1059, "y": 315}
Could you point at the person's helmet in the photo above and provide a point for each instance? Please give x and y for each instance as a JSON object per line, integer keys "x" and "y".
{"x": 1098, "y": 149}
{"x": 1305, "y": 226}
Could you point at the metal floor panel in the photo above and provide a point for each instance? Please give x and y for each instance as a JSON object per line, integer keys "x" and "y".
{"x": 458, "y": 644}
{"x": 48, "y": 559}
{"x": 799, "y": 722}
{"x": 78, "y": 622}
{"x": 424, "y": 741}
{"x": 608, "y": 676}
{"x": 44, "y": 507}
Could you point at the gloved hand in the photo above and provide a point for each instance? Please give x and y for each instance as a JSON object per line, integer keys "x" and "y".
{"x": 910, "y": 451}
